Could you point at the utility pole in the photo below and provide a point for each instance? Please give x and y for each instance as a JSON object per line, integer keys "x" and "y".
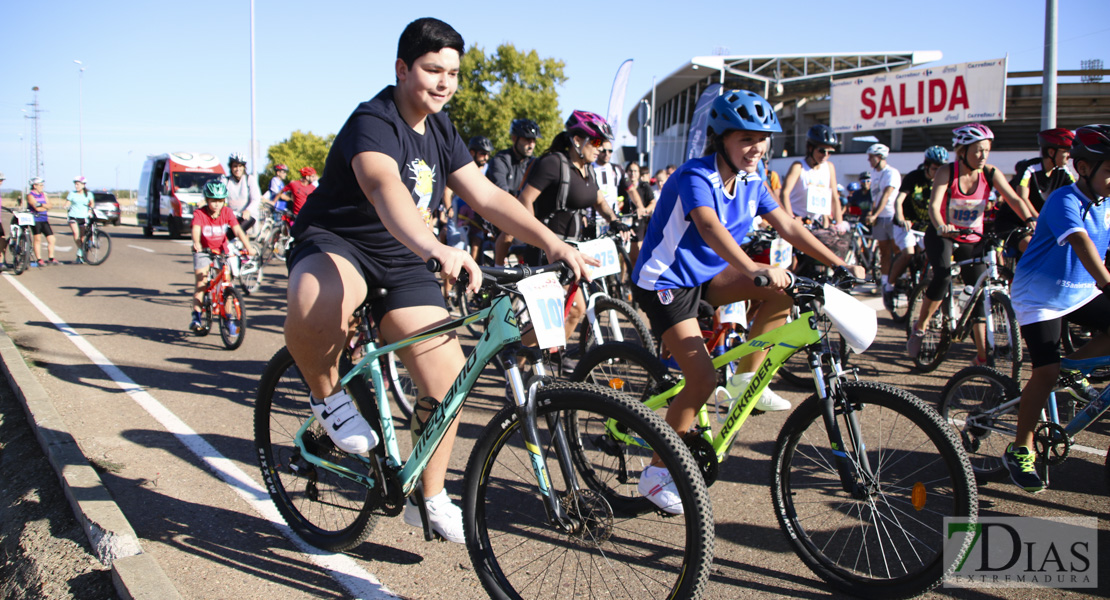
{"x": 34, "y": 116}
{"x": 80, "y": 115}
{"x": 254, "y": 139}
{"x": 1048, "y": 83}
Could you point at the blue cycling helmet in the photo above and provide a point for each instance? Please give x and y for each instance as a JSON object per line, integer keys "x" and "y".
{"x": 742, "y": 110}
{"x": 937, "y": 155}
{"x": 854, "y": 186}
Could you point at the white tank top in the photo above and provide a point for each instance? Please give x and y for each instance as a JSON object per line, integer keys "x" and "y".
{"x": 811, "y": 195}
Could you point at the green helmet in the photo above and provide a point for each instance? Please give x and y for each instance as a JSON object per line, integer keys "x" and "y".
{"x": 215, "y": 189}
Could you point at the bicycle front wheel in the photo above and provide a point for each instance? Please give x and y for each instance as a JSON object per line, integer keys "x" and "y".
{"x": 883, "y": 538}
{"x": 615, "y": 316}
{"x": 22, "y": 254}
{"x": 233, "y": 320}
{"x": 613, "y": 548}
{"x": 97, "y": 248}
{"x": 937, "y": 336}
{"x": 327, "y": 511}
{"x": 1006, "y": 354}
{"x": 250, "y": 272}
{"x": 968, "y": 403}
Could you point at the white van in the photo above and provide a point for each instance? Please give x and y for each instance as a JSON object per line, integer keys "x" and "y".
{"x": 171, "y": 187}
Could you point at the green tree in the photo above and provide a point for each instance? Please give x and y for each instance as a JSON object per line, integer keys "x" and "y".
{"x": 300, "y": 150}
{"x": 508, "y": 84}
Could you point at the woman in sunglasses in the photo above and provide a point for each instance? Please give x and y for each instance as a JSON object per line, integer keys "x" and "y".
{"x": 560, "y": 186}
{"x": 810, "y": 185}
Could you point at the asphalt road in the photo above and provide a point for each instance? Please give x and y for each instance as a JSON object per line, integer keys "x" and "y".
{"x": 177, "y": 452}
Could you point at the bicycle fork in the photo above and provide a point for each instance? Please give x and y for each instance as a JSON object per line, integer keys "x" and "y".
{"x": 849, "y": 459}
{"x": 525, "y": 402}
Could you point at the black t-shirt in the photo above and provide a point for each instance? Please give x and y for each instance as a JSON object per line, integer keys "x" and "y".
{"x": 506, "y": 170}
{"x": 1030, "y": 173}
{"x": 919, "y": 191}
{"x": 583, "y": 192}
{"x": 424, "y": 161}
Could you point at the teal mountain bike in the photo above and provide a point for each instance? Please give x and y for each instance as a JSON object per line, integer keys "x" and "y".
{"x": 550, "y": 506}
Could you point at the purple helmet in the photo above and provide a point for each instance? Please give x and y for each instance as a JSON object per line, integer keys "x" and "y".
{"x": 589, "y": 124}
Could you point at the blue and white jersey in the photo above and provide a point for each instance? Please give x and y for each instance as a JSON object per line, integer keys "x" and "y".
{"x": 1050, "y": 281}
{"x": 674, "y": 255}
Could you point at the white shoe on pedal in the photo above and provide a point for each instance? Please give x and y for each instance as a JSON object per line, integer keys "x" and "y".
{"x": 769, "y": 401}
{"x": 445, "y": 518}
{"x": 657, "y": 485}
{"x": 345, "y": 426}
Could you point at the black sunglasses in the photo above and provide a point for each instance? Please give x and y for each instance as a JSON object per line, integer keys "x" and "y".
{"x": 609, "y": 151}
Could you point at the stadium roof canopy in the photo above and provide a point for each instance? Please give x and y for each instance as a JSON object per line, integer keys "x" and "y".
{"x": 779, "y": 78}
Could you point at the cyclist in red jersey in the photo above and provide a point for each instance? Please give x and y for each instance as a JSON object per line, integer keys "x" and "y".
{"x": 297, "y": 191}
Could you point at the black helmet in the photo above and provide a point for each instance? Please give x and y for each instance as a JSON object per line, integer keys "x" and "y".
{"x": 865, "y": 176}
{"x": 822, "y": 134}
{"x": 1092, "y": 142}
{"x": 481, "y": 144}
{"x": 525, "y": 128}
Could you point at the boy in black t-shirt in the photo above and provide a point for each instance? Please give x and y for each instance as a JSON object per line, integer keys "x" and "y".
{"x": 368, "y": 226}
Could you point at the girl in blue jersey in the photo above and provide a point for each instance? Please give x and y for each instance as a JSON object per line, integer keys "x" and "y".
{"x": 1062, "y": 274}
{"x": 690, "y": 252}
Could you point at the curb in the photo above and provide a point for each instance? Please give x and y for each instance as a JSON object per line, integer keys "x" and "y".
{"x": 135, "y": 575}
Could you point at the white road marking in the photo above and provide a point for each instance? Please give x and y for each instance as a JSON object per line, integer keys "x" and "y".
{"x": 342, "y": 568}
{"x": 139, "y": 248}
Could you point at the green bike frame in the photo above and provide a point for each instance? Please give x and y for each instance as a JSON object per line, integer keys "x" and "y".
{"x": 502, "y": 330}
{"x": 780, "y": 344}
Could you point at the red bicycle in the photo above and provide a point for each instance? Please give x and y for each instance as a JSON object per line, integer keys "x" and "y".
{"x": 223, "y": 301}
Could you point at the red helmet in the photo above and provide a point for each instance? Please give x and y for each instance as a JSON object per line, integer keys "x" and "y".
{"x": 305, "y": 172}
{"x": 1092, "y": 142}
{"x": 280, "y": 167}
{"x": 1056, "y": 138}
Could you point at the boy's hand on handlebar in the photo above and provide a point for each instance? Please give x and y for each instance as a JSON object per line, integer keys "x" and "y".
{"x": 856, "y": 271}
{"x": 453, "y": 262}
{"x": 779, "y": 279}
{"x": 573, "y": 258}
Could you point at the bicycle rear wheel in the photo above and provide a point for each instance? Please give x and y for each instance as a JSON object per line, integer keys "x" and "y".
{"x": 883, "y": 539}
{"x": 324, "y": 509}
{"x": 614, "y": 315}
{"x": 966, "y": 398}
{"x": 233, "y": 319}
{"x": 400, "y": 384}
{"x": 615, "y": 548}
{"x": 97, "y": 248}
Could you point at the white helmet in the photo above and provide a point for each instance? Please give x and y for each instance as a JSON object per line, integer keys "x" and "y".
{"x": 80, "y": 178}
{"x": 880, "y": 150}
{"x": 971, "y": 133}
{"x": 36, "y": 180}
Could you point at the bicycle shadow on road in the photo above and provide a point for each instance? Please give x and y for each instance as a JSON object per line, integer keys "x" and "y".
{"x": 237, "y": 540}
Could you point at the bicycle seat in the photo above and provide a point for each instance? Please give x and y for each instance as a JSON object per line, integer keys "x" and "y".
{"x": 1086, "y": 365}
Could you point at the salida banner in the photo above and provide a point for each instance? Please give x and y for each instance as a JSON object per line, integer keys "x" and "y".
{"x": 968, "y": 92}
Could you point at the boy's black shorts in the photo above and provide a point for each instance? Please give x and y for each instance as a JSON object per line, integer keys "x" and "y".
{"x": 667, "y": 308}
{"x": 1043, "y": 338}
{"x": 406, "y": 278}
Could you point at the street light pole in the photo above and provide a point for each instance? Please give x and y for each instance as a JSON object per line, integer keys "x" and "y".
{"x": 80, "y": 112}
{"x": 254, "y": 139}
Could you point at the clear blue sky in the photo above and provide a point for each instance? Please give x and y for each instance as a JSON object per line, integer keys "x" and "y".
{"x": 164, "y": 76}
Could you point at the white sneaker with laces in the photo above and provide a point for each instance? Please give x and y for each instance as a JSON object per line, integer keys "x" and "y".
{"x": 445, "y": 518}
{"x": 345, "y": 426}
{"x": 768, "y": 401}
{"x": 657, "y": 485}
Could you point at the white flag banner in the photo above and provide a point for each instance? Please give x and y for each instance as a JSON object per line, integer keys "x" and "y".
{"x": 616, "y": 97}
{"x": 963, "y": 93}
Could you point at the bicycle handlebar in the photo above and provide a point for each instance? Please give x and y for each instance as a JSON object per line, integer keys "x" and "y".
{"x": 500, "y": 276}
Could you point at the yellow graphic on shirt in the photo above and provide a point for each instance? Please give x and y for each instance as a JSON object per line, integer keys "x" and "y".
{"x": 424, "y": 178}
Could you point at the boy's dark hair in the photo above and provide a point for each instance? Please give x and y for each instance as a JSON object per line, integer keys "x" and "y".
{"x": 427, "y": 35}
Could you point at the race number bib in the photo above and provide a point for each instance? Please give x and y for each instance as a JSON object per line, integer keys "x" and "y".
{"x": 782, "y": 253}
{"x": 544, "y": 298}
{"x": 966, "y": 213}
{"x": 24, "y": 219}
{"x": 819, "y": 200}
{"x": 737, "y": 312}
{"x": 605, "y": 251}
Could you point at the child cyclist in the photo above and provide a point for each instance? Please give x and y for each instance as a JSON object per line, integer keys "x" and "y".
{"x": 690, "y": 252}
{"x": 1062, "y": 274}
{"x": 210, "y": 225}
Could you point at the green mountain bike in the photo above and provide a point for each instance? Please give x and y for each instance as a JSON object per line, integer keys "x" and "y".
{"x": 550, "y": 509}
{"x": 863, "y": 474}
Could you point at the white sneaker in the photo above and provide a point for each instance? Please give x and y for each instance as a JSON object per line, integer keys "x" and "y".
{"x": 445, "y": 518}
{"x": 657, "y": 485}
{"x": 768, "y": 401}
{"x": 345, "y": 426}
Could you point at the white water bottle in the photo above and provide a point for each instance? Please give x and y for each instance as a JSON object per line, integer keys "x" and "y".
{"x": 965, "y": 295}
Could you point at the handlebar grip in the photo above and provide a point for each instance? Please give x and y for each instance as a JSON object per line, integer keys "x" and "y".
{"x": 762, "y": 281}
{"x": 433, "y": 265}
